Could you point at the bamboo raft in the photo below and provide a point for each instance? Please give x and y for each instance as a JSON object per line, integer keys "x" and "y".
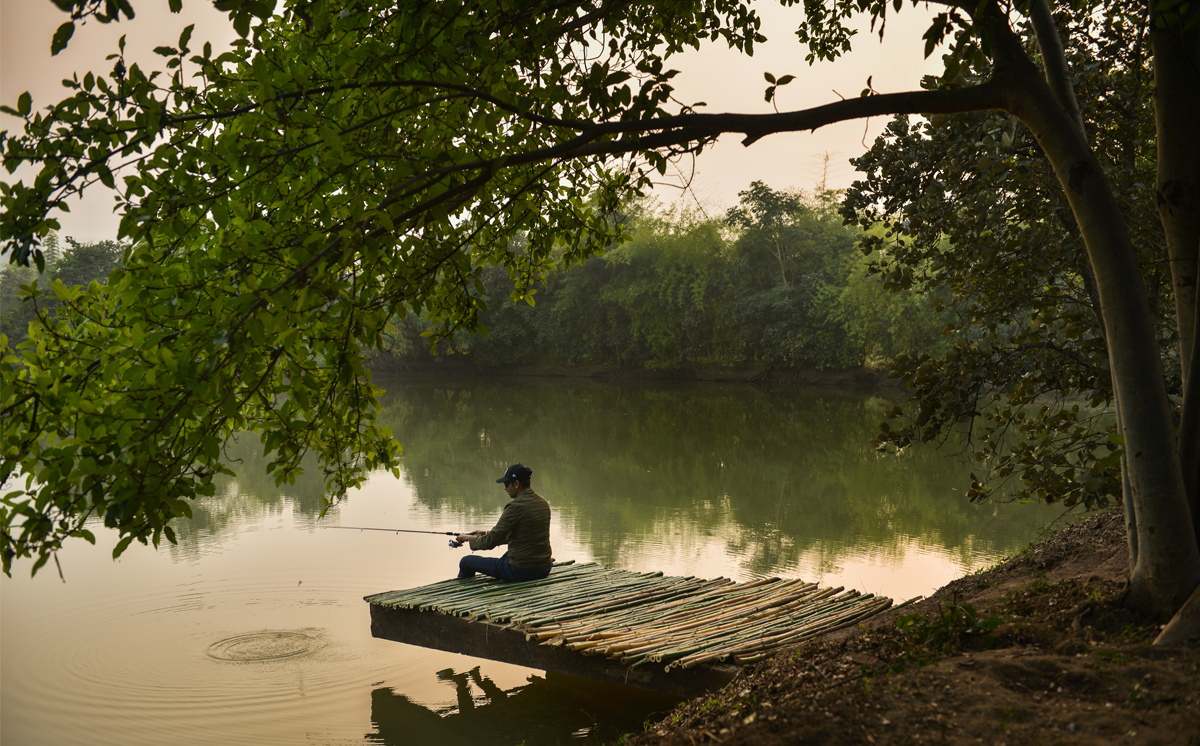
{"x": 635, "y": 619}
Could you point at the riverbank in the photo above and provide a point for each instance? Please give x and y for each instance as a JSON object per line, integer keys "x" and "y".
{"x": 464, "y": 366}
{"x": 1036, "y": 650}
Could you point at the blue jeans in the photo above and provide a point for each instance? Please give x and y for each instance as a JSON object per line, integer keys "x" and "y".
{"x": 499, "y": 568}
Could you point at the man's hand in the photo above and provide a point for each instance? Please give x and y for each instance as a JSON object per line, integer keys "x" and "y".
{"x": 464, "y": 538}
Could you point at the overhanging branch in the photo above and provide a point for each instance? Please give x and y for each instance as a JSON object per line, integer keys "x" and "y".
{"x": 689, "y": 128}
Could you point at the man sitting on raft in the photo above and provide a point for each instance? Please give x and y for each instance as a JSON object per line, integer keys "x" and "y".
{"x": 524, "y": 526}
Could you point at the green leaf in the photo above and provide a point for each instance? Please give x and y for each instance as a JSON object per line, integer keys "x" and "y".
{"x": 121, "y": 546}
{"x": 61, "y": 290}
{"x": 61, "y": 36}
{"x": 241, "y": 24}
{"x": 617, "y": 78}
{"x": 24, "y": 104}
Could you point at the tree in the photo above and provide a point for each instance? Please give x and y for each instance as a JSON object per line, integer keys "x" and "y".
{"x": 1029, "y": 324}
{"x": 788, "y": 268}
{"x": 683, "y": 291}
{"x": 348, "y": 162}
{"x": 769, "y": 218}
{"x": 881, "y": 320}
{"x": 82, "y": 265}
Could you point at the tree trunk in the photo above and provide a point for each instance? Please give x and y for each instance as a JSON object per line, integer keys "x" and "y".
{"x": 1189, "y": 438}
{"x": 1177, "y": 121}
{"x": 1167, "y": 568}
{"x": 1131, "y": 536}
{"x": 779, "y": 257}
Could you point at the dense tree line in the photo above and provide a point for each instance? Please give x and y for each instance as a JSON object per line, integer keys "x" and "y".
{"x": 776, "y": 281}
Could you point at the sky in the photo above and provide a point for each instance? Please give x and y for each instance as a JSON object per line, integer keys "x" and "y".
{"x": 726, "y": 81}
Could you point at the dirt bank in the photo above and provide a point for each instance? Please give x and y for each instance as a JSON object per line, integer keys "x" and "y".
{"x": 1035, "y": 651}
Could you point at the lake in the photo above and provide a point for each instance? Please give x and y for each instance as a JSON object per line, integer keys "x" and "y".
{"x": 252, "y": 630}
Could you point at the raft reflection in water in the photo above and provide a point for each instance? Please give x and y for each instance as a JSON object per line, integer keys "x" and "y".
{"x": 535, "y": 713}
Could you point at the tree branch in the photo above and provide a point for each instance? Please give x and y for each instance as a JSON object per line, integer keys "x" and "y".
{"x": 689, "y": 128}
{"x": 1058, "y": 75}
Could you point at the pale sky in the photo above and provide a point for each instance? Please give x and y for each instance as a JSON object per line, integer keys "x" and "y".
{"x": 726, "y": 81}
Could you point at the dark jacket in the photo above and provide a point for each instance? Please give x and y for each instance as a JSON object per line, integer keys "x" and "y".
{"x": 525, "y": 527}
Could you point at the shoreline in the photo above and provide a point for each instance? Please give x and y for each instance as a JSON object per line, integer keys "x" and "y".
{"x": 1037, "y": 649}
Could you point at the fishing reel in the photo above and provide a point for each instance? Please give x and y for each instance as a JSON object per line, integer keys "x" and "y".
{"x": 455, "y": 545}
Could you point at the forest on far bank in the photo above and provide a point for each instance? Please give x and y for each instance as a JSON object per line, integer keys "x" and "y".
{"x": 779, "y": 280}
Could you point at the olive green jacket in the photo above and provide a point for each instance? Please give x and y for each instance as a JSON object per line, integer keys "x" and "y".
{"x": 525, "y": 527}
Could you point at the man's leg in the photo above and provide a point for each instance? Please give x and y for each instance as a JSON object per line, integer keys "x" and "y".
{"x": 499, "y": 568}
{"x": 471, "y": 564}
{"x": 522, "y": 574}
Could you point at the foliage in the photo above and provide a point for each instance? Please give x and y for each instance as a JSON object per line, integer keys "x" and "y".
{"x": 14, "y": 314}
{"x": 882, "y": 320}
{"x": 302, "y": 195}
{"x": 689, "y": 289}
{"x": 949, "y": 629}
{"x": 81, "y": 265}
{"x": 1030, "y": 353}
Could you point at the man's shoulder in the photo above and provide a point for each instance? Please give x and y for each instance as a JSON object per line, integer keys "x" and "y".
{"x": 528, "y": 495}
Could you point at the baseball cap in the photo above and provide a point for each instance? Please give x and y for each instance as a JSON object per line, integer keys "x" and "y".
{"x": 516, "y": 471}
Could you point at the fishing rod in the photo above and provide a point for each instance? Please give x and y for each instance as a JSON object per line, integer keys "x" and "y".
{"x": 397, "y": 530}
{"x": 453, "y": 544}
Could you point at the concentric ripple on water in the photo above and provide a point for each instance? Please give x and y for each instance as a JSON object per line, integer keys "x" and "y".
{"x": 267, "y": 645}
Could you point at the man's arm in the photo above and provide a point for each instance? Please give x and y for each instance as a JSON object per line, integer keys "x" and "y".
{"x": 499, "y": 533}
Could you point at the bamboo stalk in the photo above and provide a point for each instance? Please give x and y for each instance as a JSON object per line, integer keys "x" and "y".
{"x": 696, "y": 610}
{"x": 825, "y": 625}
{"x": 711, "y": 642}
{"x": 677, "y": 623}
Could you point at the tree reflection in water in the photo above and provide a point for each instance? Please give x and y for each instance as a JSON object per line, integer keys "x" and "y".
{"x": 550, "y": 709}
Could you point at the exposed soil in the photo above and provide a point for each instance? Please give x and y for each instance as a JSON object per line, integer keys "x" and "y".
{"x": 1037, "y": 650}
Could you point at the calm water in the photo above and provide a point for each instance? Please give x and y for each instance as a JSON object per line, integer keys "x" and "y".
{"x": 253, "y": 630}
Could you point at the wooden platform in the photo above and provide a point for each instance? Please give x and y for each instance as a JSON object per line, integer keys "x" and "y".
{"x": 676, "y": 635}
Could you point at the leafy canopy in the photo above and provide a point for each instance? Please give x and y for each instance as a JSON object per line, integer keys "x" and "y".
{"x": 970, "y": 204}
{"x": 346, "y": 164}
